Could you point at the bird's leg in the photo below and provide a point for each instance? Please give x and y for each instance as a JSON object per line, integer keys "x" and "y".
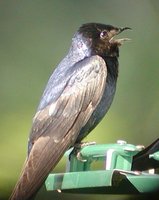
{"x": 78, "y": 147}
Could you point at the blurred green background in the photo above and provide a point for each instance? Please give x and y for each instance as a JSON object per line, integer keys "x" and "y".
{"x": 35, "y": 36}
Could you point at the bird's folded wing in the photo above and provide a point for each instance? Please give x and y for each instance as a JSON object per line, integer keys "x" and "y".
{"x": 80, "y": 96}
{"x": 56, "y": 127}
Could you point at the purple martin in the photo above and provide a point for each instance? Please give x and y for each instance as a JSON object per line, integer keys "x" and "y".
{"x": 76, "y": 98}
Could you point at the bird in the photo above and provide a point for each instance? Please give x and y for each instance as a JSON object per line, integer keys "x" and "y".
{"x": 77, "y": 96}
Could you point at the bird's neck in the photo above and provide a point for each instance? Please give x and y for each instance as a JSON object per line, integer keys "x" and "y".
{"x": 81, "y": 48}
{"x": 112, "y": 66}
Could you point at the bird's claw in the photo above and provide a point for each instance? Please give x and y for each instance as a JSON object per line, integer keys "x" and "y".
{"x": 81, "y": 145}
{"x": 76, "y": 150}
{"x": 84, "y": 144}
{"x": 79, "y": 157}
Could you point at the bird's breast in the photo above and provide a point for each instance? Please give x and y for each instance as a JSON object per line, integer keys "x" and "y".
{"x": 101, "y": 109}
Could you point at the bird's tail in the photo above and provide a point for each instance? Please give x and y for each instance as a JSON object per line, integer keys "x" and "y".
{"x": 44, "y": 155}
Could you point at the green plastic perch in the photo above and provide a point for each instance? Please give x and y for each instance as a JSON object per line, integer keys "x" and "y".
{"x": 116, "y": 176}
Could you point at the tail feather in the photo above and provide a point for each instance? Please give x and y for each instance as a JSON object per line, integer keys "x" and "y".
{"x": 38, "y": 165}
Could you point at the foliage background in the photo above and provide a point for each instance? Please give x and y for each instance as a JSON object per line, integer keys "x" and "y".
{"x": 35, "y": 36}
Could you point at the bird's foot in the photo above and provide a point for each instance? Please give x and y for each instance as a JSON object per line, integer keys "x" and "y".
{"x": 79, "y": 157}
{"x": 84, "y": 144}
{"x": 76, "y": 150}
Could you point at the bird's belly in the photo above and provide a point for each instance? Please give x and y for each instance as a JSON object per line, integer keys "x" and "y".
{"x": 99, "y": 112}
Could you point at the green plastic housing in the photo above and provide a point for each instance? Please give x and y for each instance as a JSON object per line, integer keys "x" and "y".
{"x": 115, "y": 176}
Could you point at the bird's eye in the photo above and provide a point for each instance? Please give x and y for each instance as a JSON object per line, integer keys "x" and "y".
{"x": 103, "y": 34}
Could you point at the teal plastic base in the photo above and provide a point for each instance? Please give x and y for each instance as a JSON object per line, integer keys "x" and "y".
{"x": 115, "y": 178}
{"x": 103, "y": 182}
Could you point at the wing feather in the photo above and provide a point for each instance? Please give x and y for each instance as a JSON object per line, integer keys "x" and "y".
{"x": 56, "y": 127}
{"x": 84, "y": 87}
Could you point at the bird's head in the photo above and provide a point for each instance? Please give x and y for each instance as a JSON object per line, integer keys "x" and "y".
{"x": 101, "y": 38}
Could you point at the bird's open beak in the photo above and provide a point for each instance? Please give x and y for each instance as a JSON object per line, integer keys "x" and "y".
{"x": 123, "y": 29}
{"x": 116, "y": 32}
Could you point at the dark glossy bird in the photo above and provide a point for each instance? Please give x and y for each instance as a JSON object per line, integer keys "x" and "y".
{"x": 77, "y": 96}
